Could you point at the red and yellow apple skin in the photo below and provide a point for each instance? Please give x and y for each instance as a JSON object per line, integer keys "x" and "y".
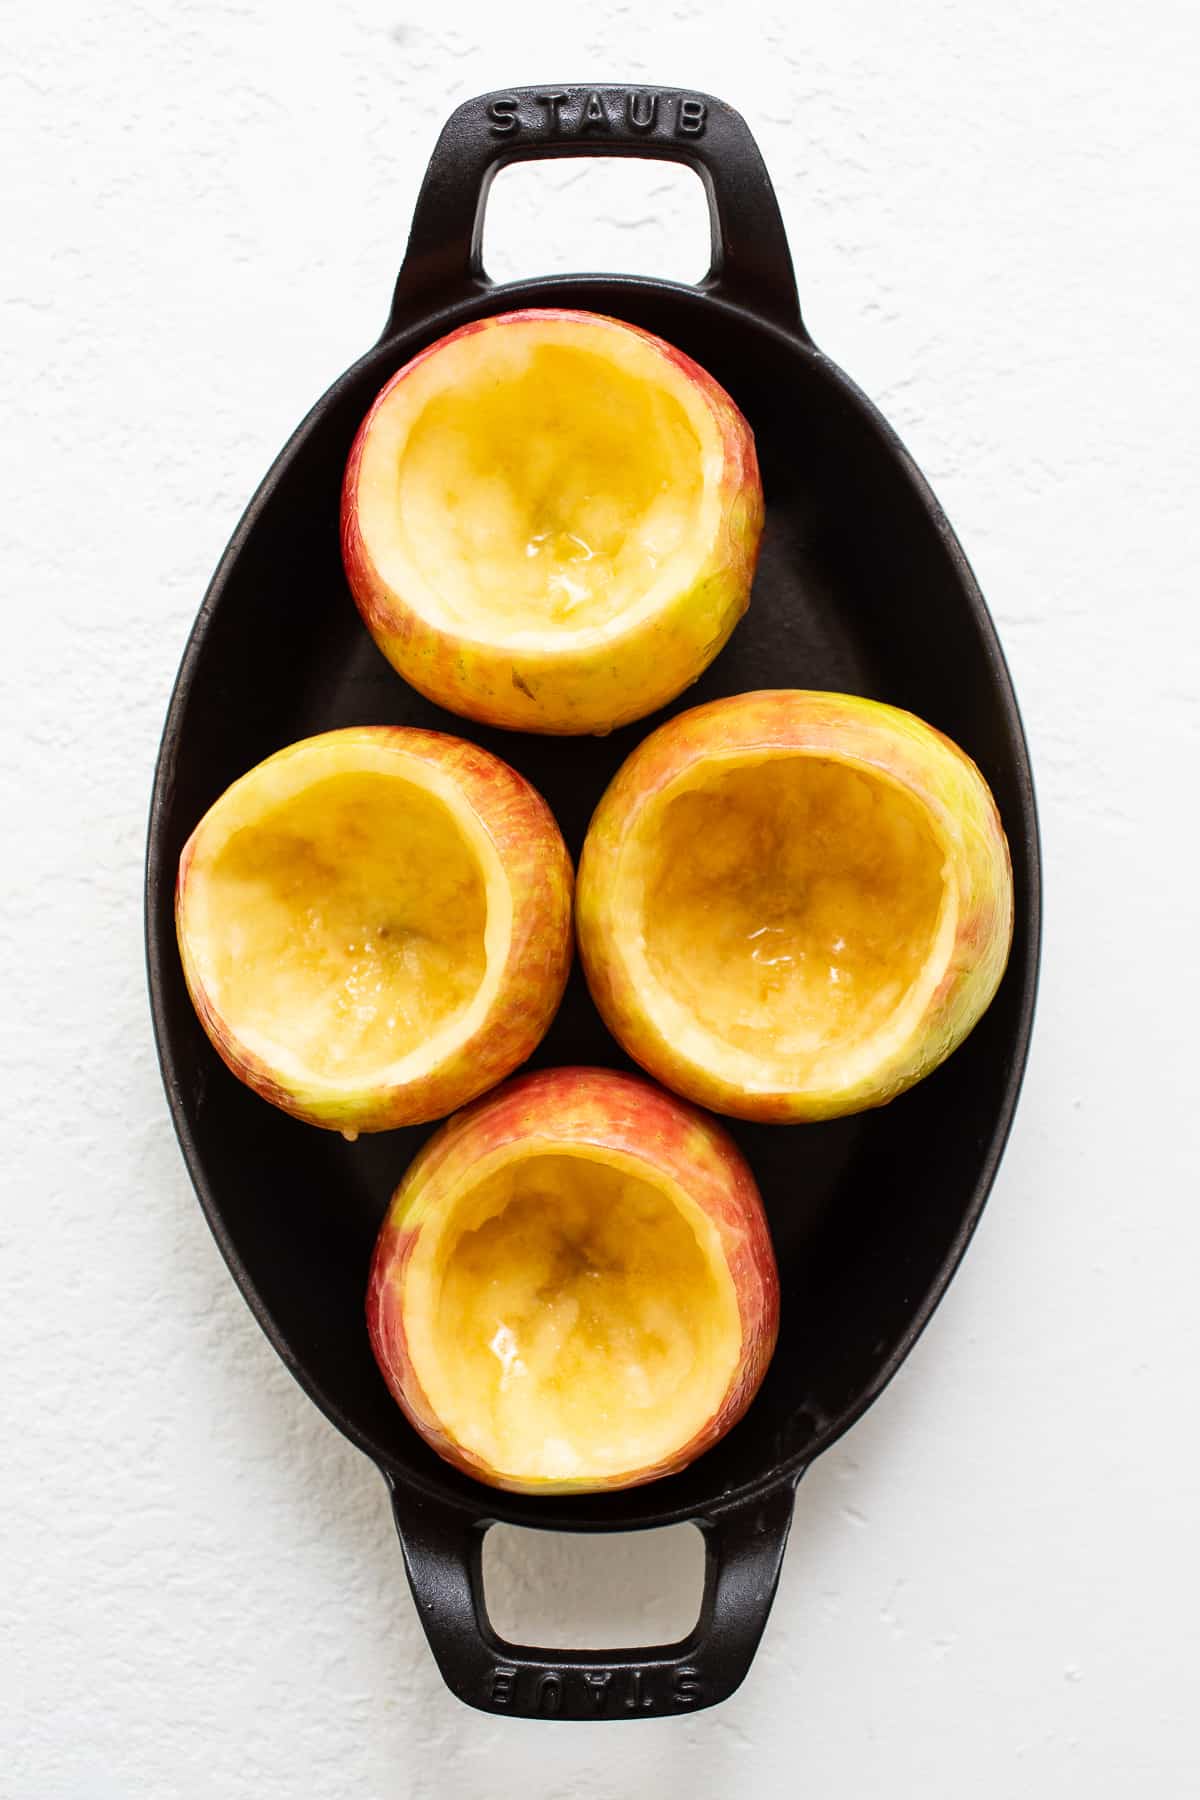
{"x": 568, "y": 689}
{"x": 843, "y": 728}
{"x": 641, "y": 1124}
{"x": 539, "y": 874}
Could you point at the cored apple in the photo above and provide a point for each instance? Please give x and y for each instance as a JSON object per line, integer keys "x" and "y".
{"x": 550, "y": 521}
{"x": 375, "y": 925}
{"x": 794, "y": 905}
{"x": 574, "y": 1287}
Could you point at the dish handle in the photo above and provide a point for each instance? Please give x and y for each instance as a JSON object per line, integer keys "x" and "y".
{"x": 751, "y": 265}
{"x": 443, "y": 1552}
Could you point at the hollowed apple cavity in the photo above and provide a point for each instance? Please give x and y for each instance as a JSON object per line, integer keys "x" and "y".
{"x": 550, "y": 521}
{"x": 578, "y": 1320}
{"x": 794, "y": 905}
{"x": 551, "y": 487}
{"x": 375, "y": 925}
{"x": 347, "y": 926}
{"x": 574, "y": 1287}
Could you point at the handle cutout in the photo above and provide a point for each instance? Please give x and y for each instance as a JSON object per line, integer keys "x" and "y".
{"x": 610, "y": 1590}
{"x": 604, "y": 215}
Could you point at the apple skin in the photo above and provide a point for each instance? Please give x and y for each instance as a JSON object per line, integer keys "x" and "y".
{"x": 535, "y": 859}
{"x": 849, "y": 728}
{"x": 593, "y": 689}
{"x": 541, "y": 1112}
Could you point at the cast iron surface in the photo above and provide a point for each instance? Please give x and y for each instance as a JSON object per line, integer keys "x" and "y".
{"x": 862, "y": 587}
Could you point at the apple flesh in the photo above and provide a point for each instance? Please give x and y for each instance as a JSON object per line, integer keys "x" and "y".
{"x": 794, "y": 905}
{"x": 550, "y": 521}
{"x": 375, "y": 925}
{"x": 574, "y": 1287}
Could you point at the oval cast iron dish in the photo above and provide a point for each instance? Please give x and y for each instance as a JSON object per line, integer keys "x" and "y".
{"x": 862, "y": 586}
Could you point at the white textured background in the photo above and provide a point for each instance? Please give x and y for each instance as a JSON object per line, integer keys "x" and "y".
{"x": 990, "y": 1588}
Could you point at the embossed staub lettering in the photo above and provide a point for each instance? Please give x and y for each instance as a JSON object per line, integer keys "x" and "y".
{"x": 596, "y": 1693}
{"x": 547, "y": 1695}
{"x": 598, "y": 1683}
{"x": 594, "y": 116}
{"x": 554, "y": 104}
{"x": 685, "y": 1687}
{"x": 635, "y": 1700}
{"x": 641, "y": 111}
{"x": 604, "y": 112}
{"x": 504, "y": 1678}
{"x": 502, "y": 111}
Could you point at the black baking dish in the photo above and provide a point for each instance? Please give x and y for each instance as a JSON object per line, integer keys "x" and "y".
{"x": 863, "y": 587}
